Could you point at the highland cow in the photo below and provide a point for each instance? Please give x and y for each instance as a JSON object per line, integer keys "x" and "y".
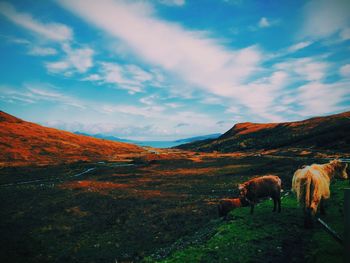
{"x": 228, "y": 204}
{"x": 264, "y": 186}
{"x": 311, "y": 185}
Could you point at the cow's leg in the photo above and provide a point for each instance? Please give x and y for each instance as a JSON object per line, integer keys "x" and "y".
{"x": 274, "y": 204}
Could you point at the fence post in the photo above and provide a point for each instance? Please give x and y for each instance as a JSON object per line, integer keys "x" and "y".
{"x": 347, "y": 225}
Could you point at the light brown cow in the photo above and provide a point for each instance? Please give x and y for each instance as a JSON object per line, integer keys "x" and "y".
{"x": 311, "y": 185}
{"x": 228, "y": 204}
{"x": 264, "y": 186}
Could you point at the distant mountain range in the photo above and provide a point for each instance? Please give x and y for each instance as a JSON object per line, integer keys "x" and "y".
{"x": 155, "y": 144}
{"x": 26, "y": 143}
{"x": 323, "y": 133}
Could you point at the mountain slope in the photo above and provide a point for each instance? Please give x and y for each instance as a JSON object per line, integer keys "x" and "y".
{"x": 199, "y": 138}
{"x": 24, "y": 142}
{"x": 330, "y": 132}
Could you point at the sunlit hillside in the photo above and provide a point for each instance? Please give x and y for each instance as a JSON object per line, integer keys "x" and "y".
{"x": 315, "y": 134}
{"x": 25, "y": 143}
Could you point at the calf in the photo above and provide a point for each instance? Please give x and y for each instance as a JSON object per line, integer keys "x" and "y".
{"x": 228, "y": 204}
{"x": 264, "y": 186}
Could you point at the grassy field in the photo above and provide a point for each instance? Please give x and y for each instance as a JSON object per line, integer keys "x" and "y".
{"x": 163, "y": 210}
{"x": 270, "y": 237}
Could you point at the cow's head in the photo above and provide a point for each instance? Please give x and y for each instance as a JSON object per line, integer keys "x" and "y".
{"x": 340, "y": 169}
{"x": 242, "y": 190}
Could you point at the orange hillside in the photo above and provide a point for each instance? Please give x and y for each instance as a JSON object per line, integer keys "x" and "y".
{"x": 23, "y": 143}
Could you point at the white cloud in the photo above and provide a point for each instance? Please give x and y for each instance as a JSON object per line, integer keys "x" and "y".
{"x": 15, "y": 40}
{"x": 298, "y": 46}
{"x": 264, "y": 22}
{"x": 212, "y": 100}
{"x": 42, "y": 51}
{"x": 149, "y": 100}
{"x": 261, "y": 95}
{"x": 322, "y": 18}
{"x": 127, "y": 109}
{"x": 51, "y": 31}
{"x": 191, "y": 56}
{"x": 33, "y": 49}
{"x": 79, "y": 60}
{"x": 173, "y": 105}
{"x": 75, "y": 60}
{"x": 92, "y": 77}
{"x": 345, "y": 34}
{"x": 34, "y": 93}
{"x": 306, "y": 68}
{"x": 172, "y": 2}
{"x": 318, "y": 98}
{"x": 345, "y": 71}
{"x": 47, "y": 94}
{"x": 57, "y": 67}
{"x": 128, "y": 77}
{"x": 232, "y": 109}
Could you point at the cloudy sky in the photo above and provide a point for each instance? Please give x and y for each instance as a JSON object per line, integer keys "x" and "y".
{"x": 169, "y": 69}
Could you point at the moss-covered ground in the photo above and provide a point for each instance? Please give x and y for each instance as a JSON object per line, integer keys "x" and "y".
{"x": 271, "y": 237}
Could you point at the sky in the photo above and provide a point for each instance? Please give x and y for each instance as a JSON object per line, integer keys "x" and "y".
{"x": 170, "y": 69}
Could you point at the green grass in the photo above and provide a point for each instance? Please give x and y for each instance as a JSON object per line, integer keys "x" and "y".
{"x": 270, "y": 237}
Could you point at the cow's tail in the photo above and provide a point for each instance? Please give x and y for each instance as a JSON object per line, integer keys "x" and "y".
{"x": 308, "y": 190}
{"x": 302, "y": 186}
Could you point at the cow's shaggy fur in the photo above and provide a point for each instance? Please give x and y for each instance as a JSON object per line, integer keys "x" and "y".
{"x": 311, "y": 185}
{"x": 227, "y": 204}
{"x": 264, "y": 186}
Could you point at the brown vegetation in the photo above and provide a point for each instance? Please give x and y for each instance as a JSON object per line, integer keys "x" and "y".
{"x": 330, "y": 134}
{"x": 26, "y": 143}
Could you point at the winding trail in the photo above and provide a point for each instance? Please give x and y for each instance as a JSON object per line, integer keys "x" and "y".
{"x": 49, "y": 180}
{"x": 62, "y": 179}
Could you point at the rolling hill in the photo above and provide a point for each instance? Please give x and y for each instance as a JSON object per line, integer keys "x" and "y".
{"x": 320, "y": 133}
{"x": 24, "y": 143}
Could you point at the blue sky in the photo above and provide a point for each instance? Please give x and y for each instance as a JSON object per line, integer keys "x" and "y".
{"x": 170, "y": 69}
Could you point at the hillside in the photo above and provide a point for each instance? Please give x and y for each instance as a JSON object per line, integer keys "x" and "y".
{"x": 24, "y": 142}
{"x": 320, "y": 133}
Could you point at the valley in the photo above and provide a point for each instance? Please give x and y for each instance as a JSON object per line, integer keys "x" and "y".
{"x": 73, "y": 198}
{"x": 122, "y": 211}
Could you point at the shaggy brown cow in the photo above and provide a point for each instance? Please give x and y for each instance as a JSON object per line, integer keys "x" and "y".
{"x": 228, "y": 204}
{"x": 264, "y": 186}
{"x": 311, "y": 185}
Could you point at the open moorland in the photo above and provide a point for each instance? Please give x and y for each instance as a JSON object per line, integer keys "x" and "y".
{"x": 147, "y": 209}
{"x": 73, "y": 198}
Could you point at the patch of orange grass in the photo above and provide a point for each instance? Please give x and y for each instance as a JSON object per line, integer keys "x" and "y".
{"x": 146, "y": 194}
{"x": 26, "y": 143}
{"x": 77, "y": 211}
{"x": 104, "y": 188}
{"x": 94, "y": 185}
{"x": 181, "y": 171}
{"x": 248, "y": 127}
